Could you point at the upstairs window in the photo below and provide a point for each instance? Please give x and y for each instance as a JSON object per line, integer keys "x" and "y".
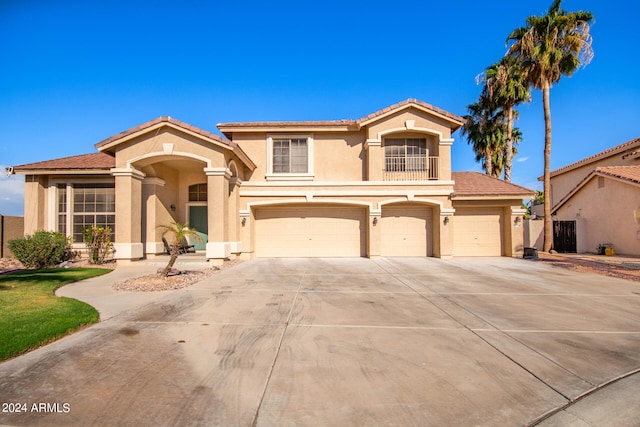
{"x": 405, "y": 154}
{"x": 290, "y": 156}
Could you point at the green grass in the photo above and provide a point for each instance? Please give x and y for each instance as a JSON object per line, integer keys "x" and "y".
{"x": 31, "y": 315}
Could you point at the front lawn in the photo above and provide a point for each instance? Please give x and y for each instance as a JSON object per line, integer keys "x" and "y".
{"x": 31, "y": 315}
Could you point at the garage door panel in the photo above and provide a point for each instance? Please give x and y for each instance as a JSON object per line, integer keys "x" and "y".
{"x": 478, "y": 232}
{"x": 406, "y": 231}
{"x": 310, "y": 232}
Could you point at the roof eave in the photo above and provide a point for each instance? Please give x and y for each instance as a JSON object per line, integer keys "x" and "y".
{"x": 456, "y": 121}
{"x": 59, "y": 171}
{"x": 518, "y": 196}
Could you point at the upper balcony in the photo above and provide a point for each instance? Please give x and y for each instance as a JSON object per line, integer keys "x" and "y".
{"x": 419, "y": 168}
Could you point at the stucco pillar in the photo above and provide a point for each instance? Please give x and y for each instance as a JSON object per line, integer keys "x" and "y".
{"x": 374, "y": 234}
{"x": 374, "y": 159}
{"x": 514, "y": 233}
{"x": 218, "y": 246}
{"x": 151, "y": 235}
{"x": 35, "y": 208}
{"x": 234, "y": 230}
{"x": 443, "y": 230}
{"x": 444, "y": 159}
{"x": 128, "y": 241}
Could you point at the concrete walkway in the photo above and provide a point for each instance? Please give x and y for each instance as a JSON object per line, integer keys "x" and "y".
{"x": 492, "y": 341}
{"x": 99, "y": 293}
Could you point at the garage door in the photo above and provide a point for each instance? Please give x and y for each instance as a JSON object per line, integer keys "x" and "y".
{"x": 406, "y": 231}
{"x": 477, "y": 232}
{"x": 310, "y": 232}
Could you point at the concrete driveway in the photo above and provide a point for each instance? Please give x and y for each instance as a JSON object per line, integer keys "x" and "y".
{"x": 311, "y": 342}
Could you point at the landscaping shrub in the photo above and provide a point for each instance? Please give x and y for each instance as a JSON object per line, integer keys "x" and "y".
{"x": 42, "y": 249}
{"x": 98, "y": 242}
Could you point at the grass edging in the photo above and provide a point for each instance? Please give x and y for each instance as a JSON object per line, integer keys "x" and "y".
{"x": 31, "y": 315}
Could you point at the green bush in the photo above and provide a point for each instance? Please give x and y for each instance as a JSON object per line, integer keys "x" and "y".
{"x": 98, "y": 243}
{"x": 42, "y": 249}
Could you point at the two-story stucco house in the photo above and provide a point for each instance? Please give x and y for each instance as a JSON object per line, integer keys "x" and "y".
{"x": 378, "y": 186}
{"x": 598, "y": 198}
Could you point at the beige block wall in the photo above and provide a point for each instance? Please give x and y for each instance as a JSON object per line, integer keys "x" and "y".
{"x": 608, "y": 214}
{"x": 11, "y": 227}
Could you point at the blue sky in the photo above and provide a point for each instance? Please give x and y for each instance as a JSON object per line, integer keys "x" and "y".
{"x": 75, "y": 72}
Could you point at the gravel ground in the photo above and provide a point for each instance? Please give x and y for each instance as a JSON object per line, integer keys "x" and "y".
{"x": 628, "y": 271}
{"x": 155, "y": 282}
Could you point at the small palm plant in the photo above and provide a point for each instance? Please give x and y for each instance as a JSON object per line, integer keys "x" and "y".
{"x": 178, "y": 233}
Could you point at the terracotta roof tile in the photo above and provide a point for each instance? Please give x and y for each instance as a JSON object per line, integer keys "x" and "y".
{"x": 628, "y": 173}
{"x": 604, "y": 154}
{"x": 164, "y": 119}
{"x": 409, "y": 102}
{"x": 479, "y": 184}
{"x": 93, "y": 161}
{"x": 323, "y": 123}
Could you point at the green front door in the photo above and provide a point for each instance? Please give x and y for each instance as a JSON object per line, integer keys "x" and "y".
{"x": 198, "y": 221}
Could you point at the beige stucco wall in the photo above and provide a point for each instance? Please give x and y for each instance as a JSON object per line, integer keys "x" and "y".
{"x": 167, "y": 143}
{"x": 608, "y": 215}
{"x": 562, "y": 184}
{"x": 398, "y": 120}
{"x": 35, "y": 203}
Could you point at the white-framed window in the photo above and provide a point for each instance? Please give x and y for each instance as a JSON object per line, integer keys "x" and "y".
{"x": 290, "y": 156}
{"x": 405, "y": 154}
{"x": 85, "y": 204}
{"x": 198, "y": 192}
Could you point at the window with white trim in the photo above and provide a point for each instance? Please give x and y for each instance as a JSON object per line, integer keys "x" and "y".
{"x": 405, "y": 154}
{"x": 82, "y": 205}
{"x": 290, "y": 156}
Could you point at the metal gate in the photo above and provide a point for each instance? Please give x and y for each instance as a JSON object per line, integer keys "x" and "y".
{"x": 564, "y": 236}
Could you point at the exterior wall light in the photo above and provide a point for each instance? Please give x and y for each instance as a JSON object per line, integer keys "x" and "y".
{"x": 244, "y": 221}
{"x": 446, "y": 220}
{"x": 375, "y": 220}
{"x": 517, "y": 222}
{"x": 173, "y": 207}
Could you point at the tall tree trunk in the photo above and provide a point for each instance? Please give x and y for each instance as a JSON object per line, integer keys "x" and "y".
{"x": 488, "y": 162}
{"x": 508, "y": 147}
{"x": 548, "y": 223}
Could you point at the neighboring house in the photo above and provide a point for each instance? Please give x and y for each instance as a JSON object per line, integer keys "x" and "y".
{"x": 378, "y": 186}
{"x": 597, "y": 201}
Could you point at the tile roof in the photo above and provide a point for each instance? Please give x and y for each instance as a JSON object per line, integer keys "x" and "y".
{"x": 627, "y": 173}
{"x": 602, "y": 155}
{"x": 93, "y": 161}
{"x": 479, "y": 184}
{"x": 413, "y": 101}
{"x": 164, "y": 119}
{"x": 349, "y": 122}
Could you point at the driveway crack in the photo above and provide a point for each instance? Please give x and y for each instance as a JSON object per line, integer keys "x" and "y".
{"x": 277, "y": 353}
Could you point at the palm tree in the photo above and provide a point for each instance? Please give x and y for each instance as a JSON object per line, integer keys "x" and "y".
{"x": 549, "y": 47}
{"x": 484, "y": 131}
{"x": 179, "y": 232}
{"x": 506, "y": 85}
